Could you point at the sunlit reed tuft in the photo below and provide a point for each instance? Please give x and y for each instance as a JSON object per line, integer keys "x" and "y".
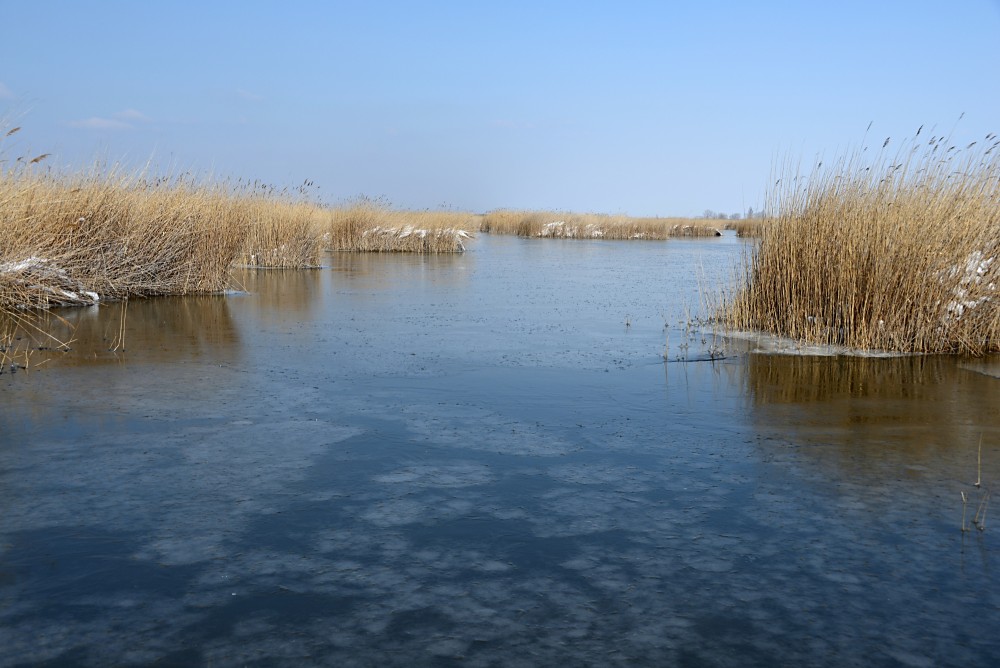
{"x": 897, "y": 252}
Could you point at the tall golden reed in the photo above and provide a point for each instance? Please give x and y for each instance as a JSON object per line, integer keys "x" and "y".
{"x": 112, "y": 235}
{"x": 894, "y": 253}
{"x": 284, "y": 234}
{"x": 107, "y": 234}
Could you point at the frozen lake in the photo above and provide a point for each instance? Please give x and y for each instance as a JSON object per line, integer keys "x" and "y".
{"x": 483, "y": 460}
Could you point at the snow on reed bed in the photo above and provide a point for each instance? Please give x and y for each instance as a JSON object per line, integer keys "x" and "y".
{"x": 548, "y": 224}
{"x": 36, "y": 281}
{"x": 410, "y": 239}
{"x": 113, "y": 236}
{"x": 370, "y": 226}
{"x": 895, "y": 253}
{"x": 75, "y": 239}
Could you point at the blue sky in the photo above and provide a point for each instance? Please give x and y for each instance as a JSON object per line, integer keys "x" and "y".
{"x": 648, "y": 108}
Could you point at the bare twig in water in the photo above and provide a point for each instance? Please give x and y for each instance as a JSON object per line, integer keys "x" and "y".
{"x": 965, "y": 503}
{"x": 979, "y": 463}
{"x": 980, "y": 519}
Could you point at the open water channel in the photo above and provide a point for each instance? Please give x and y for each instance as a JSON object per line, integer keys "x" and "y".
{"x": 484, "y": 460}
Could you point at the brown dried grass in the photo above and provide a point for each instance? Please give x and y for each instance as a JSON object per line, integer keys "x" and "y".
{"x": 752, "y": 227}
{"x": 897, "y": 253}
{"x": 76, "y": 239}
{"x": 114, "y": 236}
{"x": 285, "y": 235}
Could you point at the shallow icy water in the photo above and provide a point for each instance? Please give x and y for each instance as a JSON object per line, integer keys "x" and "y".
{"x": 473, "y": 460}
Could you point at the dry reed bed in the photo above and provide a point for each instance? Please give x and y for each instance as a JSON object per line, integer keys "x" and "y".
{"x": 285, "y": 235}
{"x": 897, "y": 253}
{"x": 563, "y": 225}
{"x": 371, "y": 227}
{"x": 68, "y": 241}
{"x": 747, "y": 227}
{"x": 74, "y": 240}
{"x": 78, "y": 239}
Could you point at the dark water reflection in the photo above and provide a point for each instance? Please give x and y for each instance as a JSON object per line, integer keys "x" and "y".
{"x": 166, "y": 330}
{"x": 282, "y": 295}
{"x": 921, "y": 407}
{"x": 472, "y": 460}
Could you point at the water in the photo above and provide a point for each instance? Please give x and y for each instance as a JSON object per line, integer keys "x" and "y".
{"x": 473, "y": 460}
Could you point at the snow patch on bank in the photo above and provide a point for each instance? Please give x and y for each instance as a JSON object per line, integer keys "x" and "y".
{"x": 407, "y": 231}
{"x": 968, "y": 293}
{"x": 52, "y": 285}
{"x": 561, "y": 230}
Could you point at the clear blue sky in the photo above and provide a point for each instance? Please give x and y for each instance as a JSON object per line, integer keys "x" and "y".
{"x": 649, "y": 108}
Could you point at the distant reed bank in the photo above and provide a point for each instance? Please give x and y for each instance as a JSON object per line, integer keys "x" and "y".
{"x": 567, "y": 225}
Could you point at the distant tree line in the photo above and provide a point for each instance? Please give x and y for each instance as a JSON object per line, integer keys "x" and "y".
{"x": 718, "y": 215}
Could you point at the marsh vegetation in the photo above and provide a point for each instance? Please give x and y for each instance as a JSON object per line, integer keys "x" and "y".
{"x": 894, "y": 253}
{"x": 110, "y": 234}
{"x": 107, "y": 234}
{"x": 371, "y": 226}
{"x": 567, "y": 225}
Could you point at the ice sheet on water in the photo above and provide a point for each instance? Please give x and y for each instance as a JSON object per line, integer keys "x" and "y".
{"x": 397, "y": 512}
{"x": 119, "y": 635}
{"x": 630, "y": 479}
{"x": 196, "y": 487}
{"x": 452, "y": 475}
{"x": 480, "y": 429}
{"x": 990, "y": 367}
{"x": 779, "y": 345}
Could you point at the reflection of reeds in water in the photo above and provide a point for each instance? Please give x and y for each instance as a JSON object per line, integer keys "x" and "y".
{"x": 918, "y": 404}
{"x": 282, "y": 295}
{"x": 15, "y": 354}
{"x": 379, "y": 272}
{"x": 983, "y": 495}
{"x": 164, "y": 330}
{"x": 791, "y": 379}
{"x": 564, "y": 225}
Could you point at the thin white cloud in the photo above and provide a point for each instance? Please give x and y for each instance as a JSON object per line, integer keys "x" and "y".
{"x": 6, "y": 93}
{"x": 97, "y": 123}
{"x": 132, "y": 115}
